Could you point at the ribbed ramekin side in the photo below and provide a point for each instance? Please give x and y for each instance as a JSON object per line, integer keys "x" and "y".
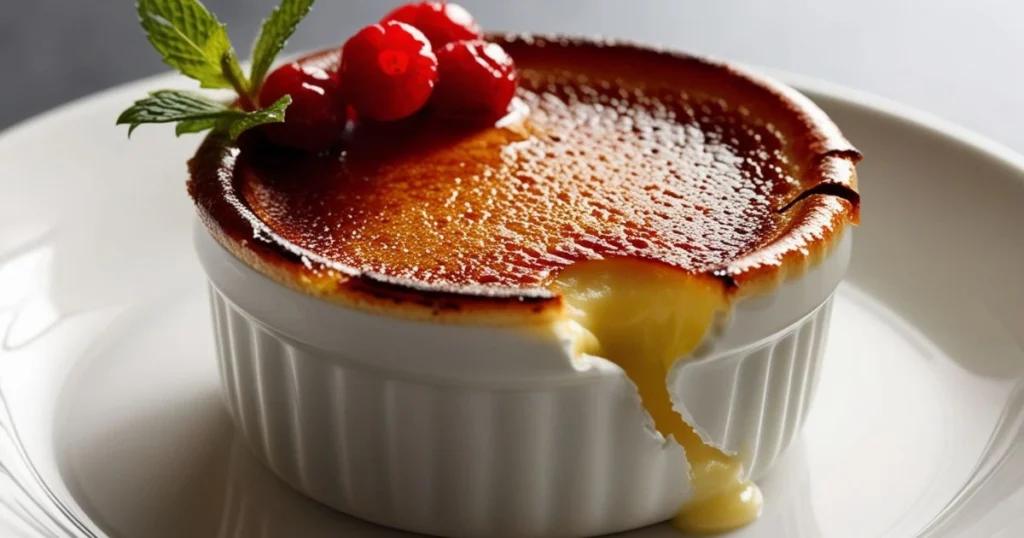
{"x": 446, "y": 460}
{"x": 753, "y": 402}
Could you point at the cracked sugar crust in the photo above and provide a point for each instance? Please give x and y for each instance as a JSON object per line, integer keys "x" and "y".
{"x": 594, "y": 170}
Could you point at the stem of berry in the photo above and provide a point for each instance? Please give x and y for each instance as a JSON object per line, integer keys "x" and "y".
{"x": 241, "y": 86}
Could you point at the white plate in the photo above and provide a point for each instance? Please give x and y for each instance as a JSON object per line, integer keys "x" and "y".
{"x": 111, "y": 422}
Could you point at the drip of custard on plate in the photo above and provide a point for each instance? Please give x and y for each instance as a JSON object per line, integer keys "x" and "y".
{"x": 621, "y": 191}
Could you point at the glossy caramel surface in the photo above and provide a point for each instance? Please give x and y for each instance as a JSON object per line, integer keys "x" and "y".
{"x": 586, "y": 174}
{"x": 610, "y": 152}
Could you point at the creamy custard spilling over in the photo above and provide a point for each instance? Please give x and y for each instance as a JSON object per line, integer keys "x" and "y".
{"x": 644, "y": 317}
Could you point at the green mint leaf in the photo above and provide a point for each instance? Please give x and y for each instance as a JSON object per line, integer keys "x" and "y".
{"x": 195, "y": 113}
{"x": 274, "y": 33}
{"x": 170, "y": 106}
{"x": 191, "y": 40}
{"x": 272, "y": 114}
{"x": 194, "y": 126}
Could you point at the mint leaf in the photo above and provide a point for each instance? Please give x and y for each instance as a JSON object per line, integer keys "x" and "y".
{"x": 195, "y": 113}
{"x": 274, "y": 33}
{"x": 194, "y": 126}
{"x": 170, "y": 106}
{"x": 272, "y": 114}
{"x": 191, "y": 40}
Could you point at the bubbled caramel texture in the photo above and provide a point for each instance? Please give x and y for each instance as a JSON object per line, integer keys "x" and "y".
{"x": 594, "y": 170}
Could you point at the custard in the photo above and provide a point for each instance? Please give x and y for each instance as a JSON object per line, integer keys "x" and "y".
{"x": 644, "y": 317}
{"x": 630, "y": 192}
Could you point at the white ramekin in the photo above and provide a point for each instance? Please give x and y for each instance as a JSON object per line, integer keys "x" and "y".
{"x": 461, "y": 430}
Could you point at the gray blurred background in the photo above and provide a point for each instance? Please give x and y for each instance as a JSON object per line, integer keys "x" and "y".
{"x": 960, "y": 59}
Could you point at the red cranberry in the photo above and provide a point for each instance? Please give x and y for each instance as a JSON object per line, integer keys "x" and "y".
{"x": 315, "y": 120}
{"x": 477, "y": 80}
{"x": 441, "y": 22}
{"x": 389, "y": 71}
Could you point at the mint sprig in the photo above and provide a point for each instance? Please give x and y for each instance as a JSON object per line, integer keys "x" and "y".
{"x": 193, "y": 41}
{"x": 194, "y": 112}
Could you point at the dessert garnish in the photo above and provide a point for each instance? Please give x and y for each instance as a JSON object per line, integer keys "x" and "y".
{"x": 441, "y": 22}
{"x": 317, "y": 115}
{"x": 194, "y": 42}
{"x": 390, "y": 71}
{"x": 426, "y": 55}
{"x": 477, "y": 80}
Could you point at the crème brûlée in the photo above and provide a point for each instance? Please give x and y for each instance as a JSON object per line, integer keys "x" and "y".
{"x": 635, "y": 193}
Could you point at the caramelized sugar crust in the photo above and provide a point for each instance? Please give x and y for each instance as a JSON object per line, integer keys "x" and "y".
{"x": 613, "y": 151}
